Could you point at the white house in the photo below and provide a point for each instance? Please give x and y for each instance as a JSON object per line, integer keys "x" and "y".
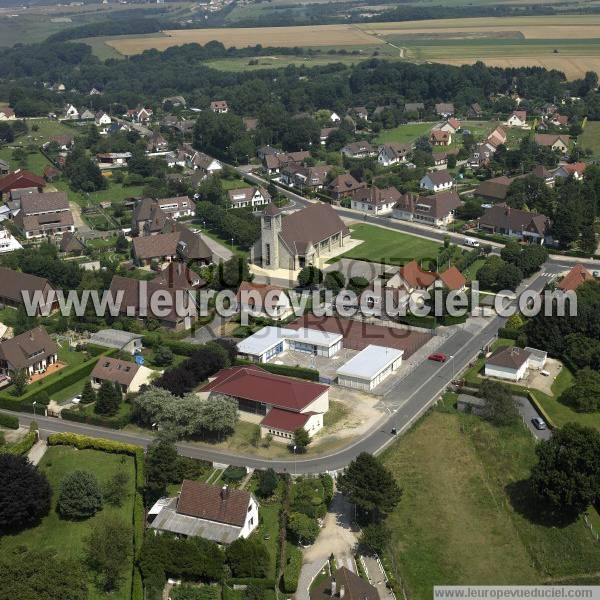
{"x": 509, "y": 363}
{"x": 367, "y": 369}
{"x": 212, "y": 512}
{"x": 250, "y": 196}
{"x": 393, "y": 153}
{"x": 71, "y": 113}
{"x": 102, "y": 118}
{"x": 334, "y": 117}
{"x": 7, "y": 114}
{"x": 437, "y": 181}
{"x": 517, "y": 119}
{"x": 376, "y": 201}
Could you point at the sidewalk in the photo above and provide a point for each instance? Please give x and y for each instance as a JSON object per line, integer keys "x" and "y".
{"x": 37, "y": 452}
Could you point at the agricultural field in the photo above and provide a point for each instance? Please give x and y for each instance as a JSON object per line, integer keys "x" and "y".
{"x": 67, "y": 538}
{"x": 464, "y": 518}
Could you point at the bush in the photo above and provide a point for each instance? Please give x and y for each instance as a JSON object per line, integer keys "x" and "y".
{"x": 299, "y": 372}
{"x": 9, "y": 421}
{"x": 248, "y": 557}
{"x": 233, "y": 474}
{"x": 292, "y": 569}
{"x": 80, "y": 496}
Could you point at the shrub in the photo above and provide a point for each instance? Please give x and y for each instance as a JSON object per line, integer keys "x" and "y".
{"x": 9, "y": 421}
{"x": 248, "y": 557}
{"x": 79, "y": 496}
{"x": 233, "y": 474}
{"x": 292, "y": 569}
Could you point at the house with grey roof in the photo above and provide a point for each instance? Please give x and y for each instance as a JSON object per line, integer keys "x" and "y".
{"x": 509, "y": 363}
{"x": 119, "y": 339}
{"x": 436, "y": 181}
{"x": 45, "y": 214}
{"x": 33, "y": 351}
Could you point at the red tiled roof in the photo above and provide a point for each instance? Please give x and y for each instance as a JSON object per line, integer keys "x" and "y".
{"x": 453, "y": 279}
{"x": 285, "y": 420}
{"x": 20, "y": 179}
{"x": 574, "y": 278}
{"x": 256, "y": 384}
{"x": 412, "y": 273}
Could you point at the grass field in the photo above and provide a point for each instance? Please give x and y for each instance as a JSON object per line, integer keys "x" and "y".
{"x": 390, "y": 247}
{"x": 404, "y": 134}
{"x": 462, "y": 517}
{"x": 590, "y": 138}
{"x": 67, "y": 537}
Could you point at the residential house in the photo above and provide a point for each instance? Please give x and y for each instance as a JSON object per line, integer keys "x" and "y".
{"x": 502, "y": 219}
{"x": 436, "y": 210}
{"x": 129, "y": 375}
{"x": 204, "y": 164}
{"x": 32, "y": 350}
{"x": 95, "y": 92}
{"x": 497, "y": 137}
{"x": 440, "y": 159}
{"x": 275, "y": 162}
{"x": 559, "y": 120}
{"x": 393, "y": 153}
{"x": 86, "y": 115}
{"x": 20, "y": 179}
{"x": 344, "y": 186}
{"x": 482, "y": 153}
{"x": 113, "y": 160}
{"x": 71, "y": 244}
{"x": 8, "y": 242}
{"x": 509, "y": 363}
{"x": 444, "y": 109}
{"x": 518, "y": 118}
{"x": 495, "y": 189}
{"x": 157, "y": 144}
{"x": 301, "y": 238}
{"x": 558, "y": 142}
{"x": 219, "y": 106}
{"x": 64, "y": 142}
{"x": 249, "y": 196}
{"x": 263, "y": 300}
{"x": 543, "y": 173}
{"x": 361, "y": 149}
{"x": 438, "y": 137}
{"x": 178, "y": 275}
{"x": 343, "y": 585}
{"x": 436, "y": 181}
{"x": 7, "y": 114}
{"x": 124, "y": 341}
{"x": 334, "y": 117}
{"x": 305, "y": 178}
{"x": 474, "y": 111}
{"x": 139, "y": 115}
{"x": 576, "y": 170}
{"x": 452, "y": 125}
{"x": 219, "y": 514}
{"x": 71, "y": 113}
{"x": 191, "y": 246}
{"x": 325, "y": 133}
{"x": 45, "y": 214}
{"x": 285, "y": 403}
{"x": 51, "y": 173}
{"x": 159, "y": 248}
{"x": 375, "y": 201}
{"x": 359, "y": 112}
{"x": 574, "y": 278}
{"x": 15, "y": 285}
{"x": 412, "y": 278}
{"x": 4, "y": 167}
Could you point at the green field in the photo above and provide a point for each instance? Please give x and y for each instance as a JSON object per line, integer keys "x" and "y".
{"x": 390, "y": 247}
{"x": 67, "y": 537}
{"x": 590, "y": 138}
{"x": 464, "y": 517}
{"x": 404, "y": 134}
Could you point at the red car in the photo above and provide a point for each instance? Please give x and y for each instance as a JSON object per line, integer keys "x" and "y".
{"x": 438, "y": 357}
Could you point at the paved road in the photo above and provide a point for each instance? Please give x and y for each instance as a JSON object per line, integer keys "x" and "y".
{"x": 528, "y": 412}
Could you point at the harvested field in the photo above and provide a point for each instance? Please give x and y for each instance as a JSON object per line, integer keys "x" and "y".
{"x": 358, "y": 335}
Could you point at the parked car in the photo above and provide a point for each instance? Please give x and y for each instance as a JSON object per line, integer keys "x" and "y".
{"x": 539, "y": 423}
{"x": 438, "y": 357}
{"x": 471, "y": 243}
{"x": 76, "y": 400}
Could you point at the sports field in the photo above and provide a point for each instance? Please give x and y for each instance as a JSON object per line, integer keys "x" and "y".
{"x": 570, "y": 43}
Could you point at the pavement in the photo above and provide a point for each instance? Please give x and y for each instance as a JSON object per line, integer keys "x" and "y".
{"x": 529, "y": 412}
{"x": 37, "y": 452}
{"x": 377, "y": 576}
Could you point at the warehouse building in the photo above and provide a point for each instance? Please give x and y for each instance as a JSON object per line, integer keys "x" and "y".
{"x": 367, "y": 369}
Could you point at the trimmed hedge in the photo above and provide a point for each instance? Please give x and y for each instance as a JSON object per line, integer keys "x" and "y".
{"x": 299, "y": 372}
{"x": 293, "y": 566}
{"x": 116, "y": 422}
{"x": 9, "y": 421}
{"x": 25, "y": 445}
{"x": 267, "y": 583}
{"x": 538, "y": 406}
{"x": 509, "y": 334}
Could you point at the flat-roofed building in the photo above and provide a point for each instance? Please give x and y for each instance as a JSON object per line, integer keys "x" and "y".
{"x": 367, "y": 369}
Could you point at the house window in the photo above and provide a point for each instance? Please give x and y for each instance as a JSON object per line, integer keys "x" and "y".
{"x": 268, "y": 254}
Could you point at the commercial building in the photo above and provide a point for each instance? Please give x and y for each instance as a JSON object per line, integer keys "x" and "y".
{"x": 367, "y": 369}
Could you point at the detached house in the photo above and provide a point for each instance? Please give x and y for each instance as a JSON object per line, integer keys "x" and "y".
{"x": 71, "y": 113}
{"x": 436, "y": 210}
{"x": 157, "y": 144}
{"x": 359, "y": 150}
{"x": 393, "y": 153}
{"x": 7, "y": 114}
{"x": 129, "y": 375}
{"x": 452, "y": 125}
{"x": 344, "y": 186}
{"x": 495, "y": 189}
{"x": 439, "y": 137}
{"x": 16, "y": 284}
{"x": 559, "y": 120}
{"x": 275, "y": 161}
{"x": 101, "y": 119}
{"x": 436, "y": 181}
{"x": 412, "y": 278}
{"x": 574, "y": 278}
{"x": 33, "y": 351}
{"x": 219, "y": 106}
{"x": 139, "y": 115}
{"x": 576, "y": 170}
{"x": 42, "y": 215}
{"x": 503, "y": 219}
{"x": 251, "y": 196}
{"x": 444, "y": 109}
{"x": 311, "y": 178}
{"x": 481, "y": 156}
{"x": 508, "y": 363}
{"x": 558, "y": 142}
{"x": 497, "y": 137}
{"x": 474, "y": 111}
{"x": 517, "y": 119}
{"x": 21, "y": 180}
{"x": 375, "y": 201}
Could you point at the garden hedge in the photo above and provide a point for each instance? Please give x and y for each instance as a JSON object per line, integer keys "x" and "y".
{"x": 291, "y": 573}
{"x": 22, "y": 447}
{"x": 116, "y": 422}
{"x": 9, "y": 421}
{"x": 289, "y": 371}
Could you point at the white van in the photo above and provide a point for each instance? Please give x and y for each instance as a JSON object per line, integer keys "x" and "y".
{"x": 471, "y": 243}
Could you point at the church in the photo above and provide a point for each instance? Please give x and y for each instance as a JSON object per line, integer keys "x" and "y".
{"x": 294, "y": 240}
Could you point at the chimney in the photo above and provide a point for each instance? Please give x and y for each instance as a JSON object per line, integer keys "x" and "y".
{"x": 224, "y": 492}
{"x": 333, "y": 587}
{"x": 342, "y": 591}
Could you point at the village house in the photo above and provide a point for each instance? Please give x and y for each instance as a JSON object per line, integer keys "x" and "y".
{"x": 361, "y": 149}
{"x": 129, "y": 375}
{"x": 157, "y": 144}
{"x": 16, "y": 284}
{"x": 159, "y": 248}
{"x": 219, "y": 514}
{"x": 359, "y": 112}
{"x": 7, "y": 114}
{"x": 509, "y": 363}
{"x": 440, "y": 159}
{"x": 344, "y": 186}
{"x": 343, "y": 585}
{"x": 444, "y": 109}
{"x": 219, "y": 106}
{"x": 518, "y": 118}
{"x": 452, "y": 125}
{"x": 102, "y": 119}
{"x": 201, "y": 162}
{"x": 325, "y": 133}
{"x": 71, "y": 113}
{"x": 437, "y": 181}
{"x": 305, "y": 178}
{"x": 64, "y": 142}
{"x": 44, "y": 214}
{"x": 497, "y": 138}
{"x": 474, "y": 111}
{"x": 190, "y": 245}
{"x": 274, "y": 162}
{"x": 284, "y": 403}
{"x": 436, "y": 210}
{"x": 577, "y": 275}
{"x": 113, "y": 160}
{"x": 249, "y": 196}
{"x": 559, "y": 120}
{"x": 412, "y": 278}
{"x": 558, "y": 142}
{"x": 71, "y": 244}
{"x": 21, "y": 180}
{"x": 139, "y": 115}
{"x": 86, "y": 115}
{"x": 576, "y": 170}
{"x": 334, "y": 118}
{"x": 375, "y": 201}
{"x": 295, "y": 240}
{"x": 263, "y": 300}
{"x": 250, "y": 123}
{"x": 481, "y": 156}
{"x": 524, "y": 225}
{"x": 495, "y": 189}
{"x": 437, "y": 137}
{"x": 32, "y": 350}
{"x": 543, "y": 173}
{"x": 393, "y": 153}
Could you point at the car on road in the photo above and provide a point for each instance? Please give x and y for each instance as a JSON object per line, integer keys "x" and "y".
{"x": 471, "y": 243}
{"x": 539, "y": 423}
{"x": 438, "y": 357}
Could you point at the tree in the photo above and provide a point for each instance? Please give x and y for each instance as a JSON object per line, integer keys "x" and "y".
{"x": 369, "y": 485}
{"x": 24, "y": 494}
{"x": 301, "y": 437}
{"x": 584, "y": 394}
{"x": 511, "y": 251}
{"x": 304, "y": 529}
{"x": 107, "y": 548}
{"x": 376, "y": 537}
{"x": 567, "y": 474}
{"x": 23, "y": 322}
{"x": 254, "y": 592}
{"x": 108, "y": 399}
{"x": 220, "y": 414}
{"x": 309, "y": 276}
{"x": 248, "y": 557}
{"x": 267, "y": 483}
{"x": 509, "y": 278}
{"x": 121, "y": 245}
{"x": 501, "y": 407}
{"x": 19, "y": 379}
{"x": 79, "y": 496}
{"x": 163, "y": 356}
{"x": 161, "y": 464}
{"x": 88, "y": 395}
{"x": 115, "y": 490}
{"x": 335, "y": 281}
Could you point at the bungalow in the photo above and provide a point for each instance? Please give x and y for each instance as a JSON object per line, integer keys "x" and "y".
{"x": 33, "y": 351}
{"x": 393, "y": 153}
{"x": 576, "y": 170}
{"x": 502, "y": 219}
{"x": 438, "y": 137}
{"x": 16, "y": 284}
{"x": 558, "y": 142}
{"x": 509, "y": 363}
{"x": 518, "y": 118}
{"x": 375, "y": 201}
{"x": 263, "y": 300}
{"x": 7, "y": 114}
{"x": 436, "y": 210}
{"x": 285, "y": 404}
{"x": 219, "y": 106}
{"x": 219, "y": 514}
{"x": 344, "y": 186}
{"x": 250, "y": 196}
{"x": 574, "y": 278}
{"x": 359, "y": 150}
{"x": 494, "y": 189}
{"x": 45, "y": 214}
{"x": 129, "y": 375}
{"x": 444, "y": 109}
{"x": 436, "y": 181}
{"x": 113, "y": 160}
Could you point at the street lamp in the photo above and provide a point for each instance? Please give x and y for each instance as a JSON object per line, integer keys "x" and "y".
{"x": 232, "y": 242}
{"x": 33, "y": 404}
{"x": 294, "y": 460}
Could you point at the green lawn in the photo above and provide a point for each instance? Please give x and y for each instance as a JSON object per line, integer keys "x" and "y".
{"x": 390, "y": 247}
{"x": 268, "y": 532}
{"x": 67, "y": 537}
{"x": 590, "y": 138}
{"x": 404, "y": 134}
{"x": 471, "y": 271}
{"x": 232, "y": 184}
{"x": 116, "y": 192}
{"x": 464, "y": 513}
{"x": 8, "y": 316}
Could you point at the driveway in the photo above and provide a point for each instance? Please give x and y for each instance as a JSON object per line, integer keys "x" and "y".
{"x": 528, "y": 412}
{"x": 377, "y": 577}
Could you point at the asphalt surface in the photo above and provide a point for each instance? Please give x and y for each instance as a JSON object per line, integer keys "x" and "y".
{"x": 528, "y": 413}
